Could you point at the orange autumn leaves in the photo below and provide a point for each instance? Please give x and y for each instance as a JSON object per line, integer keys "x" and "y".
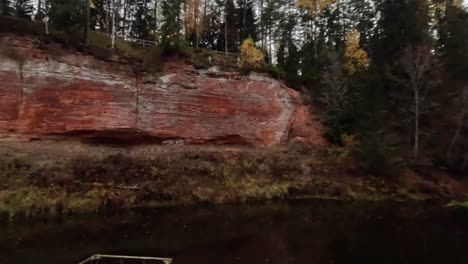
{"x": 315, "y": 7}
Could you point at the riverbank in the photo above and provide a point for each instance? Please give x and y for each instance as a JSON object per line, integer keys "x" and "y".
{"x": 57, "y": 178}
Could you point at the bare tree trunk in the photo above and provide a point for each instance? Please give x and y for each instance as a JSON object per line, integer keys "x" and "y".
{"x": 124, "y": 20}
{"x": 179, "y": 22}
{"x": 205, "y": 8}
{"x": 107, "y": 10}
{"x": 269, "y": 43}
{"x": 416, "y": 123}
{"x": 186, "y": 20}
{"x": 113, "y": 24}
{"x": 145, "y": 18}
{"x": 244, "y": 18}
{"x": 155, "y": 19}
{"x": 262, "y": 25}
{"x": 195, "y": 13}
{"x": 226, "y": 28}
{"x": 39, "y": 3}
{"x": 87, "y": 18}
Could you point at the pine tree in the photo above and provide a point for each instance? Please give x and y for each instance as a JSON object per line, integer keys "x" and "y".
{"x": 246, "y": 20}
{"x": 392, "y": 35}
{"x": 230, "y": 27}
{"x": 5, "y": 8}
{"x": 140, "y": 27}
{"x": 23, "y": 9}
{"x": 171, "y": 24}
{"x": 67, "y": 15}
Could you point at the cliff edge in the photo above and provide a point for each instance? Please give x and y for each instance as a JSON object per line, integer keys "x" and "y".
{"x": 47, "y": 92}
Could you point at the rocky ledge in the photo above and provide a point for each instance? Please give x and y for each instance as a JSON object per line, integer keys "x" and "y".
{"x": 47, "y": 92}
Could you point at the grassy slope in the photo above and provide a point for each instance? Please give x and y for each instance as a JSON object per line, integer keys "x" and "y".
{"x": 70, "y": 177}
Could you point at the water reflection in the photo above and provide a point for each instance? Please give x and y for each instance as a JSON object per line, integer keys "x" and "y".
{"x": 300, "y": 232}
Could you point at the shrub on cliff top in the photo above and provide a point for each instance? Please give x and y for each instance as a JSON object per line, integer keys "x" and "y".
{"x": 250, "y": 56}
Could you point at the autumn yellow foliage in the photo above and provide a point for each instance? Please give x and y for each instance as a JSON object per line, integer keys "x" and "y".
{"x": 356, "y": 57}
{"x": 458, "y": 3}
{"x": 315, "y": 7}
{"x": 250, "y": 55}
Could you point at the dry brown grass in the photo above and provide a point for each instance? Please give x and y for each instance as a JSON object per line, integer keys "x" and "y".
{"x": 71, "y": 177}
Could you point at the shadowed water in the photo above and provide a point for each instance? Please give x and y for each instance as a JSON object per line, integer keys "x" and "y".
{"x": 299, "y": 232}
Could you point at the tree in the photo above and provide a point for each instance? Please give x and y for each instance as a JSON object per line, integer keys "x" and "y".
{"x": 140, "y": 27}
{"x": 230, "y": 30}
{"x": 194, "y": 21}
{"x": 453, "y": 51}
{"x": 417, "y": 65}
{"x": 335, "y": 95}
{"x": 356, "y": 57}
{"x": 40, "y": 12}
{"x": 392, "y": 35}
{"x": 363, "y": 18}
{"x": 250, "y": 56}
{"x": 246, "y": 20}
{"x": 171, "y": 24}
{"x": 461, "y": 118}
{"x": 23, "y": 9}
{"x": 66, "y": 15}
{"x": 5, "y": 8}
{"x": 87, "y": 21}
{"x": 315, "y": 7}
{"x": 213, "y": 36}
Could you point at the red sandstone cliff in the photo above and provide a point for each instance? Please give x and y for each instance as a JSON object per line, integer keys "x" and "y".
{"x": 50, "y": 92}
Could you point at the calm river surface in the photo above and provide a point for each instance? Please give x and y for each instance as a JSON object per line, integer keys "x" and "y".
{"x": 277, "y": 232}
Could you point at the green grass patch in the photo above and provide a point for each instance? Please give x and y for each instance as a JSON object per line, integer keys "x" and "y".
{"x": 458, "y": 204}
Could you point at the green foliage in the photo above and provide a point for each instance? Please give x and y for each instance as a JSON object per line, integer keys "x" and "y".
{"x": 455, "y": 42}
{"x": 23, "y": 9}
{"x": 102, "y": 43}
{"x": 66, "y": 15}
{"x": 457, "y": 204}
{"x": 6, "y": 8}
{"x": 177, "y": 47}
{"x": 380, "y": 157}
{"x": 245, "y": 17}
{"x": 277, "y": 72}
{"x": 170, "y": 30}
{"x": 140, "y": 29}
{"x": 14, "y": 25}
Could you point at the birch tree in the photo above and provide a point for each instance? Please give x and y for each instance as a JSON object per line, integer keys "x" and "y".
{"x": 417, "y": 65}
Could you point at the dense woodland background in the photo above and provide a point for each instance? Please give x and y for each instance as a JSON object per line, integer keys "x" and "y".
{"x": 390, "y": 75}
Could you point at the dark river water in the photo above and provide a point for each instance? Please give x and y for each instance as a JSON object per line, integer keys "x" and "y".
{"x": 277, "y": 232}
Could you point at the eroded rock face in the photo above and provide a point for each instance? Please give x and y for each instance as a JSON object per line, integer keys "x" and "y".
{"x": 56, "y": 95}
